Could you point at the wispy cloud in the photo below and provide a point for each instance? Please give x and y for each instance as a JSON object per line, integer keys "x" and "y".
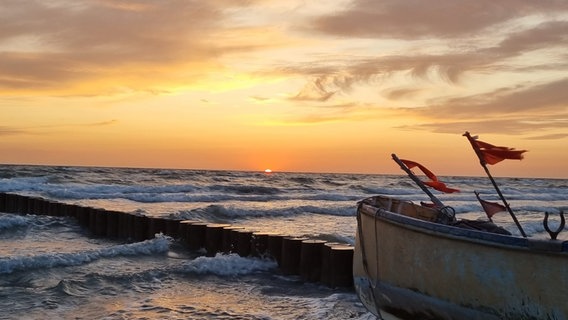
{"x": 436, "y": 61}
{"x": 514, "y": 126}
{"x": 102, "y": 123}
{"x": 413, "y": 19}
{"x": 46, "y": 128}
{"x": 60, "y": 46}
{"x": 550, "y": 137}
{"x": 6, "y": 131}
{"x": 315, "y": 90}
{"x": 521, "y": 42}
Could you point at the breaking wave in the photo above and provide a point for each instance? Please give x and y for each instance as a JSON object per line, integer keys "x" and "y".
{"x": 22, "y": 263}
{"x": 228, "y": 265}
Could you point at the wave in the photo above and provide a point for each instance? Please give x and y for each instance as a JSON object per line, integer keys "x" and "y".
{"x": 160, "y": 244}
{"x": 332, "y": 237}
{"x": 74, "y": 288}
{"x": 303, "y": 180}
{"x": 246, "y": 189}
{"x": 254, "y": 194}
{"x": 168, "y": 193}
{"x": 221, "y": 213}
{"x": 172, "y": 195}
{"x": 25, "y": 184}
{"x": 331, "y": 197}
{"x": 228, "y": 265}
{"x": 10, "y": 221}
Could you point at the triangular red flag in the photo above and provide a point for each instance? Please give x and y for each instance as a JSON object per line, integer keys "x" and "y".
{"x": 434, "y": 182}
{"x": 490, "y": 208}
{"x": 494, "y": 154}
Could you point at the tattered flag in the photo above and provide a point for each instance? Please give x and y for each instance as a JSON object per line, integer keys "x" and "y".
{"x": 490, "y": 208}
{"x": 434, "y": 182}
{"x": 494, "y": 154}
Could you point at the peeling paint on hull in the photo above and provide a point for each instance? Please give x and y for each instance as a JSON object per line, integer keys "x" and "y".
{"x": 421, "y": 269}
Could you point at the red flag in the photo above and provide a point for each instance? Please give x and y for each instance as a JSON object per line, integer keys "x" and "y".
{"x": 493, "y": 154}
{"x": 434, "y": 182}
{"x": 490, "y": 208}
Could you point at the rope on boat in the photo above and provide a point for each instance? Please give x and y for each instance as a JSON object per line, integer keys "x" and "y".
{"x": 377, "y": 305}
{"x": 364, "y": 256}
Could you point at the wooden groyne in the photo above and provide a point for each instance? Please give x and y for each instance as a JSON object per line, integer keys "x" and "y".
{"x": 329, "y": 263}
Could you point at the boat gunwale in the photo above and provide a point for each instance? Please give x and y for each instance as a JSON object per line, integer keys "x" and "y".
{"x": 467, "y": 235}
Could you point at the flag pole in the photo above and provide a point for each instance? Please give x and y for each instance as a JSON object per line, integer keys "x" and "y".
{"x": 484, "y": 165}
{"x": 439, "y": 205}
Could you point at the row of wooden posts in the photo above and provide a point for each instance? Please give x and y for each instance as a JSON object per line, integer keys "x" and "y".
{"x": 313, "y": 260}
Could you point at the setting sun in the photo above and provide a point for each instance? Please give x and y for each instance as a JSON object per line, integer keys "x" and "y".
{"x": 267, "y": 171}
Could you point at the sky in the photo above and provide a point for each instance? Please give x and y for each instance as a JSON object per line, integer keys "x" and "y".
{"x": 290, "y": 85}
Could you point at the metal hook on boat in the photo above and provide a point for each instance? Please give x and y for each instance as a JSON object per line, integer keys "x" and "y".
{"x": 447, "y": 216}
{"x": 554, "y": 234}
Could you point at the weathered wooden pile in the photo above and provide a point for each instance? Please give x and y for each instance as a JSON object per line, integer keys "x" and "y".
{"x": 313, "y": 260}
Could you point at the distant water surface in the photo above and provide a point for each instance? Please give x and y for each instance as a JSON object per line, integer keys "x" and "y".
{"x": 50, "y": 268}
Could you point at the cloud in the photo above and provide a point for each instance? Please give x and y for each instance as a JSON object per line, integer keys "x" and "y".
{"x": 519, "y": 110}
{"x": 43, "y": 129}
{"x": 401, "y": 93}
{"x": 451, "y": 64}
{"x": 322, "y": 113}
{"x": 98, "y": 47}
{"x": 101, "y": 123}
{"x": 548, "y": 97}
{"x": 6, "y": 131}
{"x": 412, "y": 19}
{"x": 457, "y": 46}
{"x": 513, "y": 126}
{"x": 550, "y": 137}
{"x": 447, "y": 63}
{"x": 316, "y": 90}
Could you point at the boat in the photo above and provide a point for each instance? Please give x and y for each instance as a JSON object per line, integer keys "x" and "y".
{"x": 409, "y": 264}
{"x": 419, "y": 261}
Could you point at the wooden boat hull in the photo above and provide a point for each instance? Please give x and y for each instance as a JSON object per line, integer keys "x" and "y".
{"x": 424, "y": 270}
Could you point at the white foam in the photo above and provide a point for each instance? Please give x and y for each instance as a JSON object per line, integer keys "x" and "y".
{"x": 228, "y": 265}
{"x": 19, "y": 263}
{"x": 10, "y": 221}
{"x": 337, "y": 303}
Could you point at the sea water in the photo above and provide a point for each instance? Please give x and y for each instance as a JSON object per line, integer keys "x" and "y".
{"x": 51, "y": 268}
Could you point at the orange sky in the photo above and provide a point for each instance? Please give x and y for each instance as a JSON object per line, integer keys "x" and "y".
{"x": 313, "y": 86}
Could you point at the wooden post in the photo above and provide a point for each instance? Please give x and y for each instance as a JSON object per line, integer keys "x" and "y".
{"x": 327, "y": 267}
{"x": 183, "y": 230}
{"x": 53, "y": 209}
{"x": 291, "y": 250}
{"x": 341, "y": 266}
{"x": 274, "y": 249}
{"x": 2, "y": 202}
{"x": 100, "y": 222}
{"x": 196, "y": 235}
{"x": 259, "y": 243}
{"x": 112, "y": 218}
{"x": 156, "y": 225}
{"x": 140, "y": 227}
{"x": 214, "y": 238}
{"x": 311, "y": 259}
{"x": 10, "y": 203}
{"x": 172, "y": 228}
{"x": 229, "y": 238}
{"x": 244, "y": 240}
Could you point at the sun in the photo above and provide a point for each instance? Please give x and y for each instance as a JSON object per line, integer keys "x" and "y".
{"x": 267, "y": 171}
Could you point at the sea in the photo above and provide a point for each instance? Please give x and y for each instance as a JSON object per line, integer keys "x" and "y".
{"x": 51, "y": 268}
